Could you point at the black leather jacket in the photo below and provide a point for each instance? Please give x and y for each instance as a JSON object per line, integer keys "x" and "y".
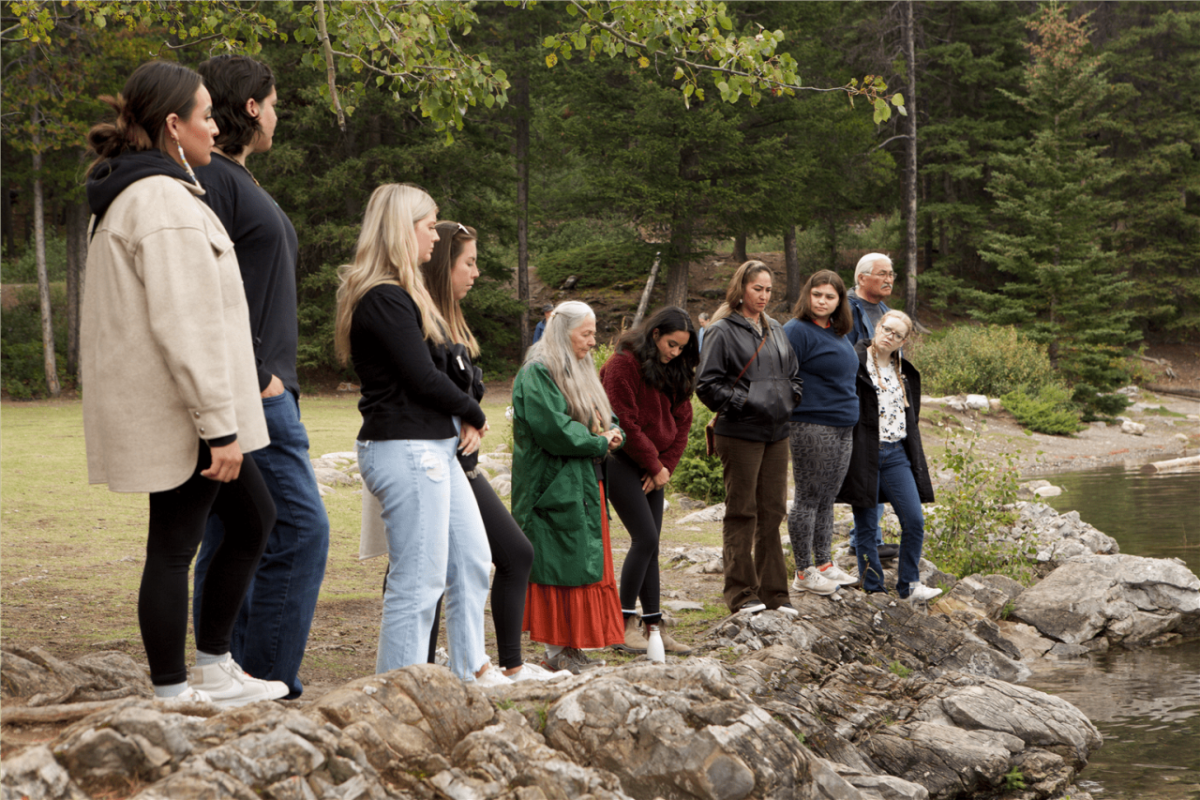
{"x": 757, "y": 408}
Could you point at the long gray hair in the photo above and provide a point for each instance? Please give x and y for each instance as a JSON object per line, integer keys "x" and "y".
{"x": 575, "y": 377}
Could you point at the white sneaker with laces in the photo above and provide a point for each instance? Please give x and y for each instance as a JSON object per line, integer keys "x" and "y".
{"x": 811, "y": 580}
{"x": 188, "y": 695}
{"x": 230, "y": 685}
{"x": 492, "y": 677}
{"x": 752, "y": 608}
{"x": 838, "y": 575}
{"x": 920, "y": 593}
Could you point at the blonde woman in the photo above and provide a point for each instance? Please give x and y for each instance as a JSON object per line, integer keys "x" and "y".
{"x": 563, "y": 428}
{"x": 415, "y": 420}
{"x": 887, "y": 461}
{"x": 748, "y": 374}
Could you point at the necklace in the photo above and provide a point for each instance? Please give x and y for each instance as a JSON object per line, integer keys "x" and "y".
{"x": 221, "y": 153}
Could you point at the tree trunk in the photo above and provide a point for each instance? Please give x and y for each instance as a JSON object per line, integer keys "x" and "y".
{"x": 791, "y": 260}
{"x": 6, "y": 221}
{"x": 681, "y": 247}
{"x": 521, "y": 109}
{"x": 77, "y": 222}
{"x": 910, "y": 171}
{"x": 39, "y": 244}
{"x": 739, "y": 249}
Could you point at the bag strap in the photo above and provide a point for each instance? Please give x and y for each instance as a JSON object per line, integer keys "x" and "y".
{"x": 766, "y": 333}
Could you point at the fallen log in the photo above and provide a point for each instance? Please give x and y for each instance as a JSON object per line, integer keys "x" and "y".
{"x": 1174, "y": 465}
{"x": 72, "y": 712}
{"x": 1179, "y": 390}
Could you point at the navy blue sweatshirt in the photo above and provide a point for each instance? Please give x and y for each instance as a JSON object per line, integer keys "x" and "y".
{"x": 828, "y": 365}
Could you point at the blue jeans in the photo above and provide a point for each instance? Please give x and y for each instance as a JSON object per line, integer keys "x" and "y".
{"x": 898, "y": 486}
{"x": 271, "y": 631}
{"x": 436, "y": 544}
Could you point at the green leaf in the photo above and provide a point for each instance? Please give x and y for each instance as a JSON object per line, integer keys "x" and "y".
{"x": 550, "y": 42}
{"x": 898, "y": 100}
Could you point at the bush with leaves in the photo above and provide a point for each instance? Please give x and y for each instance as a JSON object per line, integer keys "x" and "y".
{"x": 1049, "y": 411}
{"x": 989, "y": 359}
{"x": 599, "y": 263}
{"x": 699, "y": 475}
{"x": 966, "y": 530}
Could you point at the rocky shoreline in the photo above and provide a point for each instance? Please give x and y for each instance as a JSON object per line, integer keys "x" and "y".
{"x": 859, "y": 697}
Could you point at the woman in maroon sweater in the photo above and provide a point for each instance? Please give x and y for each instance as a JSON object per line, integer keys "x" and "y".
{"x": 649, "y": 381}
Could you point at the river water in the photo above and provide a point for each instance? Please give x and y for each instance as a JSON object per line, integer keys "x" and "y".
{"x": 1146, "y": 703}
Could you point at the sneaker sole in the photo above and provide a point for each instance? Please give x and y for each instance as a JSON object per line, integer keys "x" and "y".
{"x": 627, "y": 649}
{"x": 818, "y": 592}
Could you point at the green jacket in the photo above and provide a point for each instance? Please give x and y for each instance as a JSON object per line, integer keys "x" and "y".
{"x": 556, "y": 497}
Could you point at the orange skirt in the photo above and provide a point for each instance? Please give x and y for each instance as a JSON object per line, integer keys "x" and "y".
{"x": 578, "y": 616}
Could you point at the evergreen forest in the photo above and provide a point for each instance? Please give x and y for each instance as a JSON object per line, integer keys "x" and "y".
{"x": 1025, "y": 164}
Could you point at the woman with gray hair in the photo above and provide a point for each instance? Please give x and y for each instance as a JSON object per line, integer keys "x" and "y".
{"x": 563, "y": 428}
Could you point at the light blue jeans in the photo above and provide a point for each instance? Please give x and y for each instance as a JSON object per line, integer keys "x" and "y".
{"x": 436, "y": 544}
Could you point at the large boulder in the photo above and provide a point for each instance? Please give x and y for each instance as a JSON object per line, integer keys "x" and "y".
{"x": 1128, "y": 600}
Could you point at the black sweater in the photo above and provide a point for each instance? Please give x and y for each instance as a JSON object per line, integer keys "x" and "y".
{"x": 406, "y": 392}
{"x": 266, "y": 246}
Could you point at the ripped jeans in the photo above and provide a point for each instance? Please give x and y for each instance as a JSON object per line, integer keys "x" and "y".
{"x": 436, "y": 544}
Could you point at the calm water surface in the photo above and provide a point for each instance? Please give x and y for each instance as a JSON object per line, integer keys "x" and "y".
{"x": 1145, "y": 702}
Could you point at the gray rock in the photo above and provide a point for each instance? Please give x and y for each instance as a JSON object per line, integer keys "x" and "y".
{"x": 501, "y": 485}
{"x": 977, "y": 402}
{"x": 1048, "y": 491}
{"x": 36, "y": 775}
{"x": 1134, "y": 428}
{"x": 683, "y": 605}
{"x": 1129, "y": 599}
{"x": 711, "y": 514}
{"x": 332, "y": 477}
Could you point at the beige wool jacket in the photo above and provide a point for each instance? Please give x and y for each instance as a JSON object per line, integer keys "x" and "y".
{"x": 165, "y": 340}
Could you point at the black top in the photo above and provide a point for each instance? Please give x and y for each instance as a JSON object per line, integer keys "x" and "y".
{"x": 406, "y": 391}
{"x": 757, "y": 406}
{"x": 266, "y": 246}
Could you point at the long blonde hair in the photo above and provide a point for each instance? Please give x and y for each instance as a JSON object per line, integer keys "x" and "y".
{"x": 576, "y": 378}
{"x": 438, "y": 272}
{"x": 387, "y": 254}
{"x": 737, "y": 290}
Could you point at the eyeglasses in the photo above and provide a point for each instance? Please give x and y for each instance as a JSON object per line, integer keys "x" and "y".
{"x": 887, "y": 275}
{"x": 892, "y": 332}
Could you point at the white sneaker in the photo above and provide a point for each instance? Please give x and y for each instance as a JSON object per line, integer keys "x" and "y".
{"x": 188, "y": 695}
{"x": 752, "y": 608}
{"x": 532, "y": 672}
{"x": 811, "y": 580}
{"x": 230, "y": 685}
{"x": 838, "y": 575}
{"x": 920, "y": 593}
{"x": 492, "y": 677}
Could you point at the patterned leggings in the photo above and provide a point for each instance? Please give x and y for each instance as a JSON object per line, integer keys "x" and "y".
{"x": 820, "y": 458}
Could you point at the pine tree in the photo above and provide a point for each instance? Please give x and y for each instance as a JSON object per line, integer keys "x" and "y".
{"x": 1052, "y": 225}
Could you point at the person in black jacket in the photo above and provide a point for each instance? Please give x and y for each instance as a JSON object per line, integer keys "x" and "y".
{"x": 888, "y": 462}
{"x": 748, "y": 375}
{"x": 415, "y": 421}
{"x": 449, "y": 275}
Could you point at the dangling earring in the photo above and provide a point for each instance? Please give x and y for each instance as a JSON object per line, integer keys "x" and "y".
{"x": 186, "y": 165}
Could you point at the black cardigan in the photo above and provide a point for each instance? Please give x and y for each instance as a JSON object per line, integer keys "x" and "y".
{"x": 861, "y": 486}
{"x": 406, "y": 391}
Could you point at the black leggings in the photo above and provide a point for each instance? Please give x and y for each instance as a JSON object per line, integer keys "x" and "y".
{"x": 512, "y": 554}
{"x": 642, "y": 515}
{"x": 177, "y": 520}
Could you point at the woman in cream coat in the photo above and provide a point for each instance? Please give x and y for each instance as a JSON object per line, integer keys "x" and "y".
{"x": 171, "y": 391}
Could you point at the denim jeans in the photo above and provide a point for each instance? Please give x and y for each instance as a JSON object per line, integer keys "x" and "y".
{"x": 271, "y": 631}
{"x": 898, "y": 486}
{"x": 436, "y": 544}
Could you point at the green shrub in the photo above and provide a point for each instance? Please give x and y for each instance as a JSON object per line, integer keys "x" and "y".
{"x": 1049, "y": 411}
{"x": 992, "y": 360}
{"x": 699, "y": 475}
{"x": 965, "y": 531}
{"x": 23, "y": 268}
{"x": 600, "y": 263}
{"x": 22, "y": 368}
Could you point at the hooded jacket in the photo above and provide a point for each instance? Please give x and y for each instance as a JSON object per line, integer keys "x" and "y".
{"x": 758, "y": 406}
{"x": 165, "y": 344}
{"x": 861, "y": 485}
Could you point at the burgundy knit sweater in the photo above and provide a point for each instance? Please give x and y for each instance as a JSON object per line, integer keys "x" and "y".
{"x": 655, "y": 433}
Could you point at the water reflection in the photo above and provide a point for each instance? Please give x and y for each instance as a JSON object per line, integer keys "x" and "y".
{"x": 1146, "y": 703}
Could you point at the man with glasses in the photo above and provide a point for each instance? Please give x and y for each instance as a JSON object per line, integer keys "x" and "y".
{"x": 873, "y": 281}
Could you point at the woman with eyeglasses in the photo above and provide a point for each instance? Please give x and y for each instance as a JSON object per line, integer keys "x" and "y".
{"x": 888, "y": 462}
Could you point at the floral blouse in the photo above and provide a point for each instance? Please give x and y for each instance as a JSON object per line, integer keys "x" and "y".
{"x": 891, "y": 401}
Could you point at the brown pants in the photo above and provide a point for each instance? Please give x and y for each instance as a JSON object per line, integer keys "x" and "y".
{"x": 755, "y": 504}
